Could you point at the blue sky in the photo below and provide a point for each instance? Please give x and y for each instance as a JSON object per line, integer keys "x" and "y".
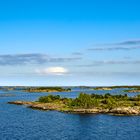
{"x": 73, "y": 42}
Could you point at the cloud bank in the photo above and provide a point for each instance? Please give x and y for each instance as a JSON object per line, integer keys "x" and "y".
{"x": 130, "y": 42}
{"x": 114, "y": 48}
{"x": 124, "y": 46}
{"x": 77, "y": 53}
{"x": 24, "y": 59}
{"x": 110, "y": 62}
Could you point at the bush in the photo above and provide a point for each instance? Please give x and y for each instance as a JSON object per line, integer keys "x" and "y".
{"x": 49, "y": 98}
{"x": 89, "y": 101}
{"x": 84, "y": 101}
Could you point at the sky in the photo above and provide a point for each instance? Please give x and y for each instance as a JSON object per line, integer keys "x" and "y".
{"x": 69, "y": 42}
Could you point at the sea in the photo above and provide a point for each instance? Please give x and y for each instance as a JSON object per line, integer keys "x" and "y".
{"x": 23, "y": 123}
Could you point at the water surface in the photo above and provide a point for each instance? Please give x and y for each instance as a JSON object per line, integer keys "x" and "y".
{"x": 21, "y": 123}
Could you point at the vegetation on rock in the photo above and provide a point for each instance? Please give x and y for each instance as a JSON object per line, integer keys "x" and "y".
{"x": 86, "y": 103}
{"x": 94, "y": 100}
{"x": 47, "y": 89}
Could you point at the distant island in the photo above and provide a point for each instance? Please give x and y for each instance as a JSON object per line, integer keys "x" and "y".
{"x": 115, "y": 87}
{"x": 126, "y": 88}
{"x": 85, "y": 103}
{"x": 47, "y": 89}
{"x": 133, "y": 90}
{"x": 102, "y": 88}
{"x": 129, "y": 88}
{"x": 35, "y": 89}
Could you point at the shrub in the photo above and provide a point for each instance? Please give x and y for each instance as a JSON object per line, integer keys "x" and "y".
{"x": 49, "y": 98}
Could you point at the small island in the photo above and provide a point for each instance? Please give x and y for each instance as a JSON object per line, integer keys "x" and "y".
{"x": 133, "y": 90}
{"x": 85, "y": 103}
{"x": 47, "y": 89}
{"x": 102, "y": 88}
{"x": 128, "y": 88}
{"x": 35, "y": 89}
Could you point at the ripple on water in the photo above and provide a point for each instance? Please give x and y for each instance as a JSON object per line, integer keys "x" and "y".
{"x": 21, "y": 123}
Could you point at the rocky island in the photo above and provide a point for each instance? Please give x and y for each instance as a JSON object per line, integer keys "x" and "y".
{"x": 85, "y": 103}
{"x": 129, "y": 88}
{"x": 35, "y": 89}
{"x": 102, "y": 88}
{"x": 133, "y": 90}
{"x": 47, "y": 89}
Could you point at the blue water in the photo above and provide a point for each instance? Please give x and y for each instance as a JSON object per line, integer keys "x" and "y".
{"x": 21, "y": 123}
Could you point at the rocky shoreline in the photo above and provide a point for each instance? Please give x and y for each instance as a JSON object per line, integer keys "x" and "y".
{"x": 132, "y": 90}
{"x": 97, "y": 110}
{"x": 102, "y": 88}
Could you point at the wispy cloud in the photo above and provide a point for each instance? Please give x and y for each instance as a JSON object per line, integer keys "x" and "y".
{"x": 109, "y": 62}
{"x": 130, "y": 42}
{"x": 122, "y": 43}
{"x": 114, "y": 48}
{"x": 124, "y": 46}
{"x": 105, "y": 73}
{"x": 127, "y": 57}
{"x": 77, "y": 53}
{"x": 24, "y": 59}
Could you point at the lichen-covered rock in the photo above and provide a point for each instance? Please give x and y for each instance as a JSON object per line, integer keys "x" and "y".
{"x": 126, "y": 110}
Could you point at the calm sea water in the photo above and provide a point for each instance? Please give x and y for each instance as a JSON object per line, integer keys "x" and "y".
{"x": 21, "y": 123}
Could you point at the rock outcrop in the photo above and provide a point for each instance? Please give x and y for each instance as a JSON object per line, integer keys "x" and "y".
{"x": 61, "y": 107}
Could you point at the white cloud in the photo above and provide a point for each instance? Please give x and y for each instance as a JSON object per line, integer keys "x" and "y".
{"x": 52, "y": 71}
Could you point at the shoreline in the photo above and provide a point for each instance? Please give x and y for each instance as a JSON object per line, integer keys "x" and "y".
{"x": 121, "y": 111}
